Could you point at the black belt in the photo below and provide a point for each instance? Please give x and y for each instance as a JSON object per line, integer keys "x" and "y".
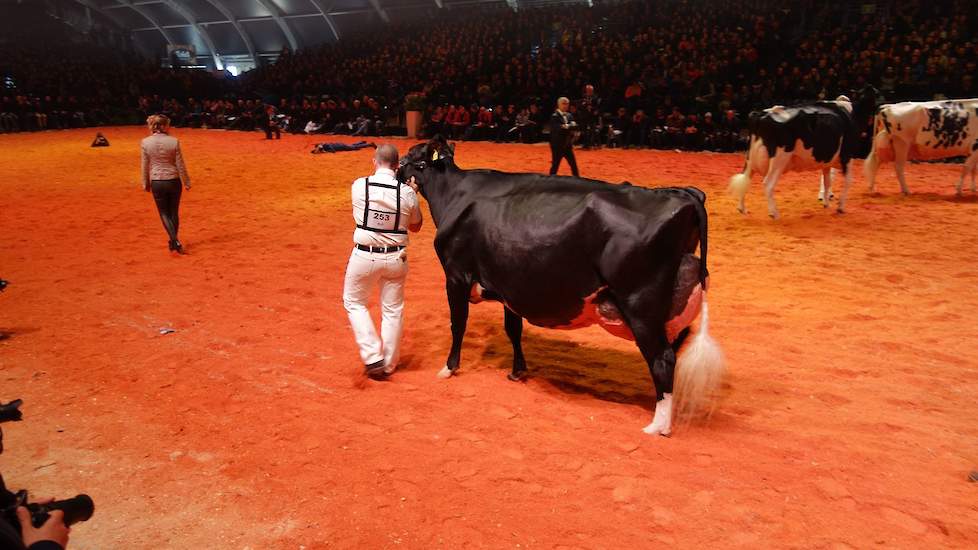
{"x": 379, "y": 249}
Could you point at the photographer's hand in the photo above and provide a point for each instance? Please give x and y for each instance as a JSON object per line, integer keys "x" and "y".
{"x": 54, "y": 529}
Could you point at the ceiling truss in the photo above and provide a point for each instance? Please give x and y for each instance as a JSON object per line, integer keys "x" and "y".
{"x": 326, "y": 10}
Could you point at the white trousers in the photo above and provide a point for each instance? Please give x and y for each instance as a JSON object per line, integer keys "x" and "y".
{"x": 364, "y": 271}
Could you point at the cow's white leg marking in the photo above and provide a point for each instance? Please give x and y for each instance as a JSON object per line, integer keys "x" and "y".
{"x": 969, "y": 169}
{"x": 845, "y": 189}
{"x": 900, "y": 152}
{"x": 825, "y": 190}
{"x": 445, "y": 372}
{"x": 776, "y": 167}
{"x": 662, "y": 421}
{"x": 964, "y": 173}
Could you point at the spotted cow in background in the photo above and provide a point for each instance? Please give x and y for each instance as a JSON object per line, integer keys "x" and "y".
{"x": 928, "y": 130}
{"x": 813, "y": 136}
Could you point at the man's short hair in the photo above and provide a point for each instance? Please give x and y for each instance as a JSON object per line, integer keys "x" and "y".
{"x": 386, "y": 155}
{"x": 562, "y": 99}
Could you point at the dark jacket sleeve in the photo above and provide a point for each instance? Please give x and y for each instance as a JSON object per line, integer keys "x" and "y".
{"x": 45, "y": 545}
{"x": 557, "y": 133}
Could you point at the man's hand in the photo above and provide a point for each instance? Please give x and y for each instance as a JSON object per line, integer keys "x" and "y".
{"x": 187, "y": 186}
{"x": 412, "y": 184}
{"x": 54, "y": 529}
{"x": 146, "y": 188}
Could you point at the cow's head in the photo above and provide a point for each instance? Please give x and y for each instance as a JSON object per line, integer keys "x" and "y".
{"x": 866, "y": 101}
{"x": 425, "y": 159}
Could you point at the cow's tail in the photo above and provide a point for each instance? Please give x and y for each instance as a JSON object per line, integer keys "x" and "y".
{"x": 740, "y": 182}
{"x": 701, "y": 366}
{"x": 872, "y": 163}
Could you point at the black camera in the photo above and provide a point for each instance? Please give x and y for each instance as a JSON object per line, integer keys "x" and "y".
{"x": 78, "y": 508}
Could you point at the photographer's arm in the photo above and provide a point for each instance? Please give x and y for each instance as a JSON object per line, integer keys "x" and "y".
{"x": 53, "y": 535}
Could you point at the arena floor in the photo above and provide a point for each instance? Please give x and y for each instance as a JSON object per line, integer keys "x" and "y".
{"x": 849, "y": 419}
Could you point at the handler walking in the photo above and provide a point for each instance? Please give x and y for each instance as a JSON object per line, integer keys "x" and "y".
{"x": 563, "y": 130}
{"x": 384, "y": 211}
{"x": 162, "y": 171}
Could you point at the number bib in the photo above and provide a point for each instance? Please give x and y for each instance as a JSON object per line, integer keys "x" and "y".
{"x": 377, "y": 220}
{"x": 380, "y": 220}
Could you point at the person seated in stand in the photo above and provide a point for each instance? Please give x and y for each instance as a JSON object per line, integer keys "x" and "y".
{"x": 462, "y": 120}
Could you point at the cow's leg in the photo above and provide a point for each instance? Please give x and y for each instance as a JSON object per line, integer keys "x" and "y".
{"x": 458, "y": 304}
{"x": 900, "y": 152}
{"x": 661, "y": 359}
{"x": 845, "y": 188}
{"x": 825, "y": 189}
{"x": 968, "y": 170}
{"x": 965, "y": 170}
{"x": 514, "y": 329}
{"x": 774, "y": 171}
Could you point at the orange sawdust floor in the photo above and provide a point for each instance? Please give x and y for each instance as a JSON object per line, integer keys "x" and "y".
{"x": 848, "y": 419}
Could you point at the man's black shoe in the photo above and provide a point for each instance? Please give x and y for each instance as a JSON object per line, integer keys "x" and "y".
{"x": 376, "y": 371}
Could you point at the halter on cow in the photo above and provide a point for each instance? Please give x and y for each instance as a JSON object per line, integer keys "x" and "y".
{"x": 566, "y": 252}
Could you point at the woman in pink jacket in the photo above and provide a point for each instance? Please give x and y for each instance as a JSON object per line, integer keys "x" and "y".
{"x": 162, "y": 172}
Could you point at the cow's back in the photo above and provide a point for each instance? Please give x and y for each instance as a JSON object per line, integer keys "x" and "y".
{"x": 812, "y": 134}
{"x": 547, "y": 247}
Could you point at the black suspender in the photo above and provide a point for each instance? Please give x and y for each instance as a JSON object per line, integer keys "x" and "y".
{"x": 366, "y": 208}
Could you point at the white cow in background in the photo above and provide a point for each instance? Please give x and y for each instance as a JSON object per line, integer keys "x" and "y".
{"x": 928, "y": 130}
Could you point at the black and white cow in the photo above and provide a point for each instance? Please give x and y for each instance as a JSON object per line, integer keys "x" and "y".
{"x": 567, "y": 252}
{"x": 928, "y": 130}
{"x": 815, "y": 136}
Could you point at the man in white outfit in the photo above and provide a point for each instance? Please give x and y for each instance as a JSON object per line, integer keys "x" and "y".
{"x": 384, "y": 211}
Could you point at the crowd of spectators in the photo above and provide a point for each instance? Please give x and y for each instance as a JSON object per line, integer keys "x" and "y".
{"x": 670, "y": 74}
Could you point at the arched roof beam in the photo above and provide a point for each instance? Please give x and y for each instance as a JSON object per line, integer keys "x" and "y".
{"x": 201, "y": 31}
{"x": 152, "y": 20}
{"x": 329, "y": 18}
{"x": 282, "y": 23}
{"x": 109, "y": 15}
{"x": 245, "y": 37}
{"x": 380, "y": 11}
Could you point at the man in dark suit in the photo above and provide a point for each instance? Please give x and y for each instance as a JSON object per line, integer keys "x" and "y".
{"x": 563, "y": 130}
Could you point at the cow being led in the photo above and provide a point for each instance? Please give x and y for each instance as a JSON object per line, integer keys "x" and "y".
{"x": 927, "y": 130}
{"x": 814, "y": 136}
{"x": 567, "y": 252}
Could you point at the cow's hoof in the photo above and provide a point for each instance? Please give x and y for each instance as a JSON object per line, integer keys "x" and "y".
{"x": 840, "y": 211}
{"x": 517, "y": 376}
{"x": 657, "y": 429}
{"x": 445, "y": 372}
